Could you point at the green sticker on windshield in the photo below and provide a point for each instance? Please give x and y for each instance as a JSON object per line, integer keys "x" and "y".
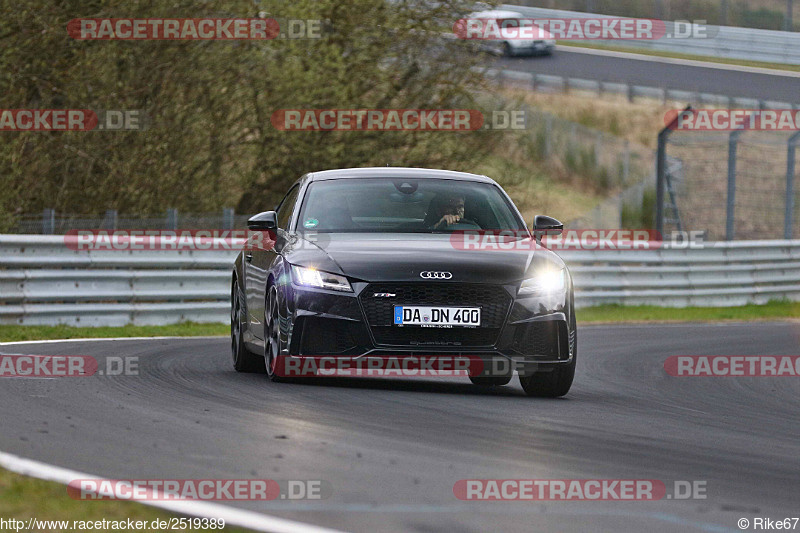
{"x": 311, "y": 223}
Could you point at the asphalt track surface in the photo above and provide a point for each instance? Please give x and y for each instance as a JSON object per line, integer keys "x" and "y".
{"x": 650, "y": 72}
{"x": 393, "y": 448}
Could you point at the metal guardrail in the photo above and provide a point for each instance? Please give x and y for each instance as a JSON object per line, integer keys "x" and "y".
{"x": 725, "y": 42}
{"x": 720, "y": 274}
{"x": 548, "y": 82}
{"x": 44, "y": 282}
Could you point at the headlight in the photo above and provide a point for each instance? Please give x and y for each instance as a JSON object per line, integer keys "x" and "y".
{"x": 310, "y": 277}
{"x": 545, "y": 282}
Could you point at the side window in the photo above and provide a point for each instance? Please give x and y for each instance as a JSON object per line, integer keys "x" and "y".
{"x": 286, "y": 207}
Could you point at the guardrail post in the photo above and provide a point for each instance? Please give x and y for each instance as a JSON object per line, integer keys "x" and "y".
{"x": 227, "y": 218}
{"x": 548, "y": 135}
{"x": 598, "y": 148}
{"x": 661, "y": 175}
{"x": 172, "y": 219}
{"x": 661, "y": 169}
{"x": 626, "y": 162}
{"x": 49, "y": 221}
{"x": 730, "y": 211}
{"x": 788, "y": 220}
{"x": 111, "y": 219}
{"x": 572, "y": 136}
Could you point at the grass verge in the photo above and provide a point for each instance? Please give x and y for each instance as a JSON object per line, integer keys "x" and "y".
{"x": 38, "y": 333}
{"x": 691, "y": 57}
{"x": 621, "y": 314}
{"x": 22, "y": 498}
{"x": 587, "y": 315}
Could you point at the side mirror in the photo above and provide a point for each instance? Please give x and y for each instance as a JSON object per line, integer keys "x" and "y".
{"x": 263, "y": 221}
{"x": 543, "y": 225}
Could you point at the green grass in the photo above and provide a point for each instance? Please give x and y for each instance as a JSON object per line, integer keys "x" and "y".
{"x": 23, "y": 497}
{"x": 605, "y": 313}
{"x": 618, "y": 313}
{"x": 674, "y": 55}
{"x": 185, "y": 329}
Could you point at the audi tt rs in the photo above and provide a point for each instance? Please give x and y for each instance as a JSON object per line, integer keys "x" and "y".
{"x": 401, "y": 263}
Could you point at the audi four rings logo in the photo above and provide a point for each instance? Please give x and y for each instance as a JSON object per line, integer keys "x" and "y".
{"x": 436, "y": 275}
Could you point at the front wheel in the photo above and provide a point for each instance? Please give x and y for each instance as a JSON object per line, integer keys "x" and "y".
{"x": 243, "y": 359}
{"x": 273, "y": 356}
{"x": 553, "y": 384}
{"x": 557, "y": 382}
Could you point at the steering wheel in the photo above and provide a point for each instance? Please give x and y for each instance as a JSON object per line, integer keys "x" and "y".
{"x": 463, "y": 224}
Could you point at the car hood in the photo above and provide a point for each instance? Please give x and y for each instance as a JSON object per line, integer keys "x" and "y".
{"x": 403, "y": 257}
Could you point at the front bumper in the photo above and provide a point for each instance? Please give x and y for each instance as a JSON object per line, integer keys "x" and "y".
{"x": 531, "y": 332}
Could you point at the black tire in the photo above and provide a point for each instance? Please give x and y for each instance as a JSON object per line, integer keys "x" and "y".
{"x": 557, "y": 382}
{"x": 243, "y": 359}
{"x": 507, "y": 50}
{"x": 273, "y": 346}
{"x": 487, "y": 381}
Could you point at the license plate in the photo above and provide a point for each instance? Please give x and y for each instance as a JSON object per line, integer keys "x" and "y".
{"x": 437, "y": 316}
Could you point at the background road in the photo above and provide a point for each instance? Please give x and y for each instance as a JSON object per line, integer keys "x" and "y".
{"x": 651, "y": 72}
{"x": 392, "y": 449}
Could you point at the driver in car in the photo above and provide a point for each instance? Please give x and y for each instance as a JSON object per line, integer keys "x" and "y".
{"x": 446, "y": 210}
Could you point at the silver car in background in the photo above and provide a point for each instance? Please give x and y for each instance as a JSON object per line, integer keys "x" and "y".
{"x": 513, "y": 39}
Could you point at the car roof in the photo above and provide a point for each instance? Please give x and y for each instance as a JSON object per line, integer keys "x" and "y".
{"x": 396, "y": 172}
{"x": 497, "y": 14}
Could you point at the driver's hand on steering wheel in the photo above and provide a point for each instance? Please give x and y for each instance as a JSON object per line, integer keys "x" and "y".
{"x": 447, "y": 220}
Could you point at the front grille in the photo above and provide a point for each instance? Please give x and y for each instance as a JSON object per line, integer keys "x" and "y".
{"x": 493, "y": 300}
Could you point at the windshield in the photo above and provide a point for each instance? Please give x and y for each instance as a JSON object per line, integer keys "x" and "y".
{"x": 400, "y": 205}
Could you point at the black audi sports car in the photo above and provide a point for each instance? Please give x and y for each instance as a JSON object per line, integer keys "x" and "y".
{"x": 394, "y": 263}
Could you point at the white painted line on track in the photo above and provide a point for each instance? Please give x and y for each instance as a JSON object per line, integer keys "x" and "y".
{"x": 231, "y": 515}
{"x": 728, "y": 324}
{"x": 101, "y": 339}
